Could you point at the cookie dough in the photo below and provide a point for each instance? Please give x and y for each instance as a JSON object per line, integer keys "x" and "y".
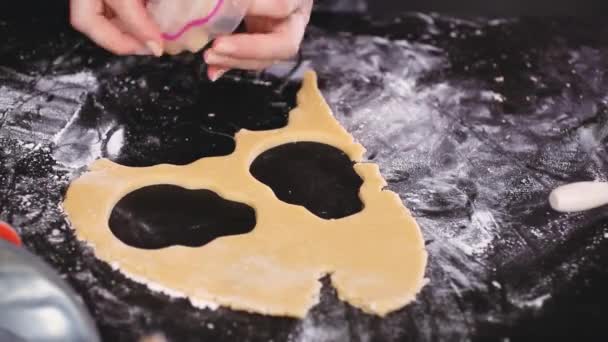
{"x": 376, "y": 258}
{"x": 579, "y": 196}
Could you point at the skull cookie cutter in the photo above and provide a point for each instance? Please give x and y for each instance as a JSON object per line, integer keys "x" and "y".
{"x": 375, "y": 258}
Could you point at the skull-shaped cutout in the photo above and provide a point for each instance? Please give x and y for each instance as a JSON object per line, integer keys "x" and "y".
{"x": 376, "y": 257}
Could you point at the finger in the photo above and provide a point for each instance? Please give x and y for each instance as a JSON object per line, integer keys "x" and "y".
{"x": 139, "y": 23}
{"x": 86, "y": 17}
{"x": 227, "y": 62}
{"x": 214, "y": 72}
{"x": 282, "y": 44}
{"x": 277, "y": 9}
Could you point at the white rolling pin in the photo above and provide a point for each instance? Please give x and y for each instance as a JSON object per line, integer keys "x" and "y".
{"x": 579, "y": 196}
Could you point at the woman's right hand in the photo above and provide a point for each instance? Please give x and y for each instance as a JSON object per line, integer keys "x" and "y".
{"x": 123, "y": 27}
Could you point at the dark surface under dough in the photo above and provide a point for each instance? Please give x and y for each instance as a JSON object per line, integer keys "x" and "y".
{"x": 316, "y": 176}
{"x": 164, "y": 215}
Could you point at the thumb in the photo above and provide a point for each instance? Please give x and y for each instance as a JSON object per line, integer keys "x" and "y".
{"x": 137, "y": 20}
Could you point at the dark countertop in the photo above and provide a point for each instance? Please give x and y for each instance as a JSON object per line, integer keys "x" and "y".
{"x": 473, "y": 123}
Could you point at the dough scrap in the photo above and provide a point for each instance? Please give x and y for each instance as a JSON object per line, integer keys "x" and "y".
{"x": 376, "y": 258}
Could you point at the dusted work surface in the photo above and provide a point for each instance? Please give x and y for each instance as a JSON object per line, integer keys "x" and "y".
{"x": 471, "y": 122}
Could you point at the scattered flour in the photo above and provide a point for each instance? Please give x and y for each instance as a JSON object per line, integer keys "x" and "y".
{"x": 62, "y": 96}
{"x": 84, "y": 78}
{"x": 58, "y": 137}
{"x": 312, "y": 331}
{"x": 535, "y": 303}
{"x": 484, "y": 230}
{"x": 115, "y": 143}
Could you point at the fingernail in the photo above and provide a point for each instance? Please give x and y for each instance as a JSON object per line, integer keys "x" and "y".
{"x": 221, "y": 46}
{"x": 156, "y": 49}
{"x": 218, "y": 74}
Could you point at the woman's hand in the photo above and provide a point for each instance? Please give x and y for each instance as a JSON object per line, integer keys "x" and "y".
{"x": 275, "y": 29}
{"x": 123, "y": 27}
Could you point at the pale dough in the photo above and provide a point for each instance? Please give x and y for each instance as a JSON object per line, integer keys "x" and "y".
{"x": 579, "y": 196}
{"x": 376, "y": 258}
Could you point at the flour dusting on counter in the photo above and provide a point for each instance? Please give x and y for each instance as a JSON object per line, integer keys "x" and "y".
{"x": 473, "y": 135}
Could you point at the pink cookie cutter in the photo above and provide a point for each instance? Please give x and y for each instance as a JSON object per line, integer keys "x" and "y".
{"x": 195, "y": 23}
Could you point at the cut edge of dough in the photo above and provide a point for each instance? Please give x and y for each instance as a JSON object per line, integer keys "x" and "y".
{"x": 310, "y": 101}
